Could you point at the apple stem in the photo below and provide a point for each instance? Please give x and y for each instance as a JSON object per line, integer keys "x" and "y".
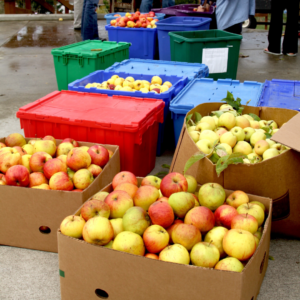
{"x": 73, "y": 217}
{"x": 210, "y": 242}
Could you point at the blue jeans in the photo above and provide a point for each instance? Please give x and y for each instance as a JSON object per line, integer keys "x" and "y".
{"x": 146, "y": 5}
{"x": 89, "y": 25}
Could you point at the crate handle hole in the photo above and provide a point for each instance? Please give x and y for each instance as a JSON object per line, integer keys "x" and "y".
{"x": 45, "y": 229}
{"x": 252, "y": 298}
{"x": 263, "y": 263}
{"x": 101, "y": 294}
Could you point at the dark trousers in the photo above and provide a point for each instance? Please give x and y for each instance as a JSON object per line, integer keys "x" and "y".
{"x": 290, "y": 40}
{"x": 89, "y": 25}
{"x": 237, "y": 28}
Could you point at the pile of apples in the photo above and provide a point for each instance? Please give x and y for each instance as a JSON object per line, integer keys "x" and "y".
{"x": 168, "y": 220}
{"x": 204, "y": 8}
{"x": 129, "y": 84}
{"x": 135, "y": 20}
{"x": 40, "y": 164}
{"x": 230, "y": 133}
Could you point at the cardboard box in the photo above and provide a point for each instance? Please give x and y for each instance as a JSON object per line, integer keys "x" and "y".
{"x": 25, "y": 210}
{"x": 91, "y": 272}
{"x": 277, "y": 178}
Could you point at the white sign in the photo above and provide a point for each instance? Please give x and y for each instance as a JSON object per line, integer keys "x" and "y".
{"x": 216, "y": 59}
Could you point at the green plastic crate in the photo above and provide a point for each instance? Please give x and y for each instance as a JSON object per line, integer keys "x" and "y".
{"x": 201, "y": 47}
{"x": 76, "y": 61}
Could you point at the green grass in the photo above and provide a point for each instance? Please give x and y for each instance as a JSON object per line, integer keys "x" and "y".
{"x": 262, "y": 19}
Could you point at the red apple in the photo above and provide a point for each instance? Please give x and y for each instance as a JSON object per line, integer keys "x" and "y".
{"x": 127, "y": 187}
{"x": 20, "y": 150}
{"x": 151, "y": 255}
{"x": 43, "y": 186}
{"x": 201, "y": 217}
{"x": 156, "y": 238}
{"x": 113, "y": 22}
{"x": 37, "y": 178}
{"x": 61, "y": 182}
{"x": 110, "y": 153}
{"x": 17, "y": 176}
{"x": 99, "y": 155}
{"x": 119, "y": 202}
{"x": 38, "y": 160}
{"x": 163, "y": 199}
{"x": 15, "y": 139}
{"x": 2, "y": 179}
{"x": 78, "y": 159}
{"x": 173, "y": 183}
{"x": 145, "y": 196}
{"x": 123, "y": 177}
{"x": 50, "y": 138}
{"x": 2, "y": 145}
{"x": 94, "y": 208}
{"x": 53, "y": 166}
{"x": 171, "y": 228}
{"x": 69, "y": 140}
{"x": 245, "y": 222}
{"x": 161, "y": 213}
{"x": 224, "y": 215}
{"x": 95, "y": 170}
{"x": 151, "y": 14}
{"x": 8, "y": 158}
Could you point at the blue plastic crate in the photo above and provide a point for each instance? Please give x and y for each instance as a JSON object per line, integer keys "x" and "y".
{"x": 166, "y": 127}
{"x": 281, "y": 94}
{"x": 143, "y": 40}
{"x": 154, "y": 67}
{"x": 177, "y": 24}
{"x": 204, "y": 90}
{"x": 110, "y": 16}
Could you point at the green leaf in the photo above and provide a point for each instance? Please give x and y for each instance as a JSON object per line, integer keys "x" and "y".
{"x": 236, "y": 104}
{"x": 161, "y": 174}
{"x": 188, "y": 118}
{"x": 267, "y": 129}
{"x": 225, "y": 161}
{"x": 193, "y": 160}
{"x": 271, "y": 257}
{"x": 198, "y": 117}
{"x": 218, "y": 113}
{"x": 255, "y": 117}
{"x": 268, "y": 135}
{"x": 166, "y": 166}
{"x": 214, "y": 158}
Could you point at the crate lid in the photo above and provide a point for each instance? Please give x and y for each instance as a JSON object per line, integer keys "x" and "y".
{"x": 158, "y": 67}
{"x": 201, "y": 90}
{"x": 84, "y": 49}
{"x": 94, "y": 110}
{"x": 182, "y": 22}
{"x": 281, "y": 94}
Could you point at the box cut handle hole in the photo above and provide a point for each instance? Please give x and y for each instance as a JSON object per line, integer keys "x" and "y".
{"x": 252, "y": 298}
{"x": 262, "y": 263}
{"x": 101, "y": 294}
{"x": 45, "y": 229}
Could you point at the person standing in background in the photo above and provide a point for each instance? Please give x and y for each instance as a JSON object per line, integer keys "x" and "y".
{"x": 78, "y": 7}
{"x": 89, "y": 24}
{"x": 146, "y": 5}
{"x": 290, "y": 40}
{"x": 230, "y": 14}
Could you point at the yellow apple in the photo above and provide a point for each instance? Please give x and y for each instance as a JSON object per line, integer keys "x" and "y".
{"x": 156, "y": 79}
{"x": 28, "y": 148}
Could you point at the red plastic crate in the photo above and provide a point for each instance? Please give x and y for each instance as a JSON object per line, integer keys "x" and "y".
{"x": 131, "y": 123}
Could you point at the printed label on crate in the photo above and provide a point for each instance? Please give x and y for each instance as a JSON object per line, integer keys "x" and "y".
{"x": 216, "y": 59}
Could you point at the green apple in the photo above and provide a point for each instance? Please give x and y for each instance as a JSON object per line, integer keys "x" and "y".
{"x": 228, "y": 138}
{"x": 211, "y": 195}
{"x": 205, "y": 255}
{"x": 215, "y": 236}
{"x": 204, "y": 126}
{"x": 209, "y": 135}
{"x": 248, "y": 133}
{"x": 278, "y": 147}
{"x": 261, "y": 146}
{"x": 272, "y": 124}
{"x": 275, "y": 130}
{"x": 263, "y": 123}
{"x": 254, "y": 124}
{"x": 246, "y": 161}
{"x": 195, "y": 135}
{"x": 192, "y": 183}
{"x": 216, "y": 119}
{"x": 270, "y": 153}
{"x": 191, "y": 128}
{"x": 226, "y": 106}
{"x": 226, "y": 147}
{"x": 242, "y": 122}
{"x": 257, "y": 136}
{"x": 230, "y": 264}
{"x": 206, "y": 147}
{"x": 242, "y": 147}
{"x": 227, "y": 120}
{"x": 238, "y": 132}
{"x": 210, "y": 121}
{"x": 270, "y": 142}
{"x": 248, "y": 117}
{"x": 254, "y": 210}
{"x": 181, "y": 203}
{"x": 254, "y": 158}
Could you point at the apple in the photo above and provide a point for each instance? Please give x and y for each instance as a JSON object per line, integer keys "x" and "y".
{"x": 248, "y": 133}
{"x": 17, "y": 176}
{"x": 163, "y": 199}
{"x": 2, "y": 145}
{"x": 156, "y": 80}
{"x": 209, "y": 135}
{"x": 257, "y": 136}
{"x": 205, "y": 255}
{"x": 228, "y": 138}
{"x": 95, "y": 170}
{"x": 227, "y": 120}
{"x": 62, "y": 158}
{"x": 201, "y": 217}
{"x": 127, "y": 187}
{"x": 129, "y": 242}
{"x": 15, "y": 139}
{"x": 37, "y": 178}
{"x": 123, "y": 177}
{"x": 145, "y": 196}
{"x": 242, "y": 147}
{"x": 20, "y": 150}
{"x": 237, "y": 198}
{"x": 161, "y": 213}
{"x": 49, "y": 138}
{"x": 248, "y": 117}
{"x": 94, "y": 208}
{"x": 61, "y": 182}
{"x": 78, "y": 159}
{"x": 211, "y": 195}
{"x": 38, "y": 160}
{"x": 9, "y": 158}
{"x": 245, "y": 222}
{"x": 277, "y": 146}
{"x": 226, "y": 107}
{"x": 85, "y": 148}
{"x": 151, "y": 180}
{"x": 215, "y": 237}
{"x": 113, "y": 22}
{"x": 186, "y": 235}
{"x": 263, "y": 123}
{"x": 32, "y": 142}
{"x": 192, "y": 183}
{"x": 224, "y": 215}
{"x": 176, "y": 254}
{"x": 270, "y": 142}
{"x": 151, "y": 255}
{"x": 270, "y": 153}
{"x": 254, "y": 158}
{"x": 221, "y": 131}
{"x": 238, "y": 132}
{"x": 242, "y": 122}
{"x": 45, "y": 146}
{"x": 239, "y": 243}
{"x": 64, "y": 148}
{"x": 171, "y": 228}
{"x": 206, "y": 147}
{"x": 260, "y": 204}
{"x": 98, "y": 231}
{"x": 72, "y": 226}
{"x": 172, "y": 183}
{"x": 2, "y": 179}
{"x": 254, "y": 124}
{"x": 53, "y": 166}
{"x": 72, "y": 141}
{"x": 210, "y": 121}
{"x": 99, "y": 155}
{"x": 117, "y": 225}
{"x": 70, "y": 173}
{"x": 119, "y": 202}
{"x": 229, "y": 264}
{"x": 261, "y": 146}
{"x": 110, "y": 153}
{"x": 100, "y": 196}
{"x": 254, "y": 210}
{"x": 136, "y": 220}
{"x": 119, "y": 81}
{"x": 181, "y": 203}
{"x": 43, "y": 186}
{"x": 156, "y": 238}
{"x": 191, "y": 128}
{"x": 82, "y": 179}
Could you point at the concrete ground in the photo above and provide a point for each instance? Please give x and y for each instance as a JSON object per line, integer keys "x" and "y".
{"x": 27, "y": 74}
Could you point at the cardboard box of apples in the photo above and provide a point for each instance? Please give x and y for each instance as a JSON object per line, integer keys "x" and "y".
{"x": 167, "y": 239}
{"x": 245, "y": 148}
{"x": 43, "y": 179}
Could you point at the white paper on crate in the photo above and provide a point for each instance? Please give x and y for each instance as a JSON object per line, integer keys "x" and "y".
{"x": 216, "y": 59}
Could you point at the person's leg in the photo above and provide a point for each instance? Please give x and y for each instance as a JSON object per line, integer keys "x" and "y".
{"x": 167, "y": 3}
{"x": 290, "y": 42}
{"x": 146, "y": 6}
{"x": 236, "y": 28}
{"x": 78, "y": 8}
{"x": 89, "y": 24}
{"x": 275, "y": 30}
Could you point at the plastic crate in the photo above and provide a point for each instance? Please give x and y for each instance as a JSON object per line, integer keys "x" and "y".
{"x": 281, "y": 94}
{"x": 154, "y": 67}
{"x": 128, "y": 122}
{"x": 178, "y": 84}
{"x": 205, "y": 90}
{"x": 110, "y": 16}
{"x": 172, "y": 10}
{"x": 143, "y": 40}
{"x": 77, "y": 60}
{"x": 177, "y": 24}
{"x": 217, "y": 49}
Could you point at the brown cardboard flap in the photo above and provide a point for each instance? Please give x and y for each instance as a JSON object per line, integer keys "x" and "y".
{"x": 289, "y": 134}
